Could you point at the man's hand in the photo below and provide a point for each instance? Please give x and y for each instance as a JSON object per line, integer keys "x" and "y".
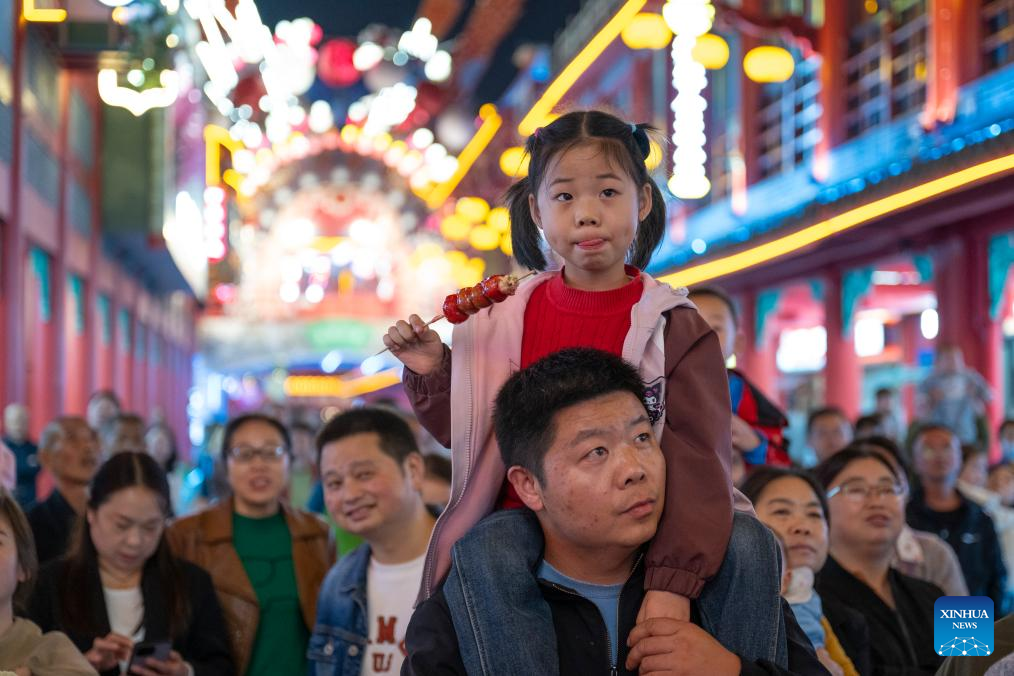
{"x": 663, "y": 604}
{"x": 678, "y": 648}
{"x": 108, "y": 651}
{"x": 744, "y": 437}
{"x": 174, "y": 666}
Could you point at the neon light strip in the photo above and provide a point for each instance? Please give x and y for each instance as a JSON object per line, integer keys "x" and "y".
{"x": 852, "y": 218}
{"x": 491, "y": 122}
{"x": 543, "y": 108}
{"x": 330, "y": 386}
{"x": 214, "y": 138}
{"x": 30, "y": 13}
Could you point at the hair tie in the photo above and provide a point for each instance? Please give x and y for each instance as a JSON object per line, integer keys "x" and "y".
{"x": 537, "y": 132}
{"x": 641, "y": 139}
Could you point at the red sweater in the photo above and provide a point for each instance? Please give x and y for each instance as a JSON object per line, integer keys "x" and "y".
{"x": 559, "y": 316}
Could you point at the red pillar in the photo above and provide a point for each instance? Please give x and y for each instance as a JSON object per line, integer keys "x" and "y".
{"x": 961, "y": 275}
{"x": 15, "y": 378}
{"x": 833, "y": 41}
{"x": 911, "y": 341}
{"x": 843, "y": 372}
{"x": 40, "y": 338}
{"x": 757, "y": 358}
{"x": 62, "y": 360}
{"x": 946, "y": 21}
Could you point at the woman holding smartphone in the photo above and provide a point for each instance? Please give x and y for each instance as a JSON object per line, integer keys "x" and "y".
{"x": 123, "y": 599}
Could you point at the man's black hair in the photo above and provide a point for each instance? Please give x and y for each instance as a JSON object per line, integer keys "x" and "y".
{"x": 920, "y": 429}
{"x": 719, "y": 294}
{"x": 1008, "y": 422}
{"x": 396, "y": 437}
{"x": 870, "y": 421}
{"x": 437, "y": 466}
{"x": 524, "y": 414}
{"x": 825, "y": 411}
{"x": 884, "y": 392}
{"x": 239, "y": 421}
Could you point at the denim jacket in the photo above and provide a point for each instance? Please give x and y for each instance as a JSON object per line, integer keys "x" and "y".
{"x": 340, "y": 635}
{"x": 742, "y": 597}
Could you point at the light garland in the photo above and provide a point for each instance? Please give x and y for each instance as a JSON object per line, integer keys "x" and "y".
{"x": 689, "y": 19}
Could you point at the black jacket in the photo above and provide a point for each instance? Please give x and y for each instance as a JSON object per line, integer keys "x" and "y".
{"x": 204, "y": 644}
{"x": 581, "y": 636}
{"x": 52, "y": 522}
{"x": 902, "y": 638}
{"x": 970, "y": 532}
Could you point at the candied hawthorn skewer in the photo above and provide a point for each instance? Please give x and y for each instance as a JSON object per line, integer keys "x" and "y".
{"x": 496, "y": 289}
{"x": 459, "y": 306}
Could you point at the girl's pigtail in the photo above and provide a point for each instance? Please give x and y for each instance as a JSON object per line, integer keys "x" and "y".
{"x": 525, "y": 237}
{"x": 649, "y": 232}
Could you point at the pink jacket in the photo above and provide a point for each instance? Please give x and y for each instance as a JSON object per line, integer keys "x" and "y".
{"x": 680, "y": 361}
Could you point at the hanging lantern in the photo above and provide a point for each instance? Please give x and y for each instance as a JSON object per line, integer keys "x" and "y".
{"x": 499, "y": 219}
{"x": 654, "y": 157}
{"x": 647, "y": 31}
{"x": 711, "y": 51}
{"x": 768, "y": 64}
{"x": 455, "y": 228}
{"x": 484, "y": 238}
{"x": 474, "y": 209}
{"x": 514, "y": 162}
{"x": 334, "y": 63}
{"x": 506, "y": 244}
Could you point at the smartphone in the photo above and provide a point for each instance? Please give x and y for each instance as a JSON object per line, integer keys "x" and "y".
{"x": 145, "y": 650}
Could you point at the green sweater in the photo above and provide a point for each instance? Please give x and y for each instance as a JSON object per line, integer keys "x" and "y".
{"x": 265, "y": 548}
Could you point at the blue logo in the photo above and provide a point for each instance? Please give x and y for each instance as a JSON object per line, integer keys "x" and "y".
{"x": 963, "y": 626}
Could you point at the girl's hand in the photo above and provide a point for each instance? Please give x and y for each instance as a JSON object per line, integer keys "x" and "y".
{"x": 107, "y": 652}
{"x": 22, "y": 671}
{"x": 659, "y": 604}
{"x": 416, "y": 345}
{"x": 174, "y": 666}
{"x": 744, "y": 437}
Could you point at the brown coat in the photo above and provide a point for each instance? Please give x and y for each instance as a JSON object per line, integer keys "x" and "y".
{"x": 205, "y": 538}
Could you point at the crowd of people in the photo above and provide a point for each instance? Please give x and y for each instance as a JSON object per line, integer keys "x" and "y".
{"x": 620, "y": 501}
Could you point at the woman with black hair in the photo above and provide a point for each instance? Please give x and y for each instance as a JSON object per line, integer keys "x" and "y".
{"x": 24, "y": 649}
{"x": 266, "y": 559}
{"x": 918, "y": 553}
{"x": 119, "y": 585}
{"x": 865, "y": 497}
{"x": 791, "y": 503}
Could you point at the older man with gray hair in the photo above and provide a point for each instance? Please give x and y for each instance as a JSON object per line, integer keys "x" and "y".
{"x": 26, "y": 453}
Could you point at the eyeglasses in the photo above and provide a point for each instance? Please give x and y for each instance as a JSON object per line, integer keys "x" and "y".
{"x": 246, "y": 454}
{"x": 860, "y": 491}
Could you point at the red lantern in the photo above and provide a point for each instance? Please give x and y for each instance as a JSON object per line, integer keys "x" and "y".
{"x": 334, "y": 63}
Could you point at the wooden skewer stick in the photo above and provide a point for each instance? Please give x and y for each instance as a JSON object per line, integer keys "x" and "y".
{"x": 441, "y": 316}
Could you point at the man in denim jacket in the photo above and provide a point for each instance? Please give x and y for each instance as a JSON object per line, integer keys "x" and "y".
{"x": 574, "y": 431}
{"x": 372, "y": 473}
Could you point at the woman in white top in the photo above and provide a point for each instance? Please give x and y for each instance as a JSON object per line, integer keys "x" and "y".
{"x": 119, "y": 586}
